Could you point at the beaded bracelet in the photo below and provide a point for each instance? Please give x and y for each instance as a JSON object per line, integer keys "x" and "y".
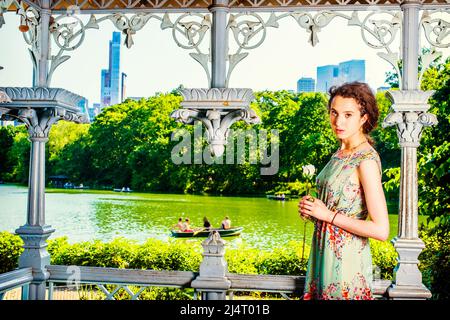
{"x": 333, "y": 218}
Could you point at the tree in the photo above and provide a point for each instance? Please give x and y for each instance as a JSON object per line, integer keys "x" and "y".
{"x": 19, "y": 156}
{"x": 64, "y": 136}
{"x": 6, "y": 143}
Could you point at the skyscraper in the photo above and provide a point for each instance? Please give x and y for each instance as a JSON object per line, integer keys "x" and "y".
{"x": 352, "y": 70}
{"x": 335, "y": 75}
{"x": 110, "y": 78}
{"x": 306, "y": 85}
{"x": 327, "y": 76}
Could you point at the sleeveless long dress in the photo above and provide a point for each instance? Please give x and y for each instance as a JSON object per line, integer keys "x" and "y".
{"x": 340, "y": 263}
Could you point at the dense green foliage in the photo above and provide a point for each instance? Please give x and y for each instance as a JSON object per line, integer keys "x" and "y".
{"x": 10, "y": 250}
{"x": 6, "y": 143}
{"x": 435, "y": 262}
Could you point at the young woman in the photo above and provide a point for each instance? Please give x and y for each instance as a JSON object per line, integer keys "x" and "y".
{"x": 349, "y": 191}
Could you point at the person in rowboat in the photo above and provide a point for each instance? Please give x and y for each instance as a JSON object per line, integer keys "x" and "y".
{"x": 206, "y": 224}
{"x": 187, "y": 226}
{"x": 179, "y": 225}
{"x": 226, "y": 223}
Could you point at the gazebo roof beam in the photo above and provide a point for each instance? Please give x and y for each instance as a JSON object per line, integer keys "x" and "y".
{"x": 174, "y": 6}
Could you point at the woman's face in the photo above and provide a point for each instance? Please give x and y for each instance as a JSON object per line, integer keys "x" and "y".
{"x": 345, "y": 117}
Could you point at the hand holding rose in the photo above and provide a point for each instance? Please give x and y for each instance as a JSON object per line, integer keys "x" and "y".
{"x": 313, "y": 207}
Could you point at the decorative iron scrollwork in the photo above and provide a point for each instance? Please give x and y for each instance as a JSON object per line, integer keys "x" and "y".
{"x": 437, "y": 33}
{"x": 377, "y": 32}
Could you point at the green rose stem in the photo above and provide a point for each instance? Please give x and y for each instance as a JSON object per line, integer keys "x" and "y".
{"x": 304, "y": 224}
{"x": 304, "y": 238}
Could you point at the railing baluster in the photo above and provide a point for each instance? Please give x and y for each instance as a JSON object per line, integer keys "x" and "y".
{"x": 25, "y": 291}
{"x": 50, "y": 290}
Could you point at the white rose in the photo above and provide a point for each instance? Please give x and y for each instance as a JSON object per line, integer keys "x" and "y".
{"x": 309, "y": 170}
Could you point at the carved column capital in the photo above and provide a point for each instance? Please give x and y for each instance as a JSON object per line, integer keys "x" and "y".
{"x": 217, "y": 109}
{"x": 409, "y": 115}
{"x": 38, "y": 123}
{"x": 40, "y": 107}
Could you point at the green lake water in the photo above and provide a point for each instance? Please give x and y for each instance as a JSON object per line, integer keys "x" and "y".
{"x": 84, "y": 215}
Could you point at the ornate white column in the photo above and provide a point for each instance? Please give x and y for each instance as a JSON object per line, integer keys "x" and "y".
{"x": 43, "y": 46}
{"x": 39, "y": 108}
{"x": 409, "y": 116}
{"x": 410, "y": 44}
{"x": 219, "y": 43}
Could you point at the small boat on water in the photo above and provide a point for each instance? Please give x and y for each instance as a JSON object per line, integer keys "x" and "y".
{"x": 127, "y": 189}
{"x": 205, "y": 233}
{"x": 278, "y": 197}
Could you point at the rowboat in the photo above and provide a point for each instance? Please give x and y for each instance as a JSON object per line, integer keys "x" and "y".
{"x": 205, "y": 233}
{"x": 278, "y": 197}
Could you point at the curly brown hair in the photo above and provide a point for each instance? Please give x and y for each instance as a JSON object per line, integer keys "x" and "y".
{"x": 365, "y": 98}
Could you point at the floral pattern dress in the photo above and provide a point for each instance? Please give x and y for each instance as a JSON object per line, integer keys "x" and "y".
{"x": 340, "y": 263}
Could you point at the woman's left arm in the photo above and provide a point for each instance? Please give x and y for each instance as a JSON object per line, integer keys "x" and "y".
{"x": 378, "y": 225}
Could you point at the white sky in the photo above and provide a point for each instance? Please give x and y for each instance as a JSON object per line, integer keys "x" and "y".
{"x": 155, "y": 63}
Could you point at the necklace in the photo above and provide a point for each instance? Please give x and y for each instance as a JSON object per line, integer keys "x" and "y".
{"x": 352, "y": 149}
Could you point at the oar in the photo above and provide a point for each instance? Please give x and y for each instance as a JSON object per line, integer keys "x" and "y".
{"x": 196, "y": 232}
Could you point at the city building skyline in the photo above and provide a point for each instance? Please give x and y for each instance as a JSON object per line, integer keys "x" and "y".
{"x": 110, "y": 78}
{"x": 306, "y": 85}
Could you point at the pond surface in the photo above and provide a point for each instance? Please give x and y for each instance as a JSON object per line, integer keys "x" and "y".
{"x": 84, "y": 215}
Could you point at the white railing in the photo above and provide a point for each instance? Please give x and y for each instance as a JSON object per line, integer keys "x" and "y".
{"x": 124, "y": 278}
{"x": 15, "y": 279}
